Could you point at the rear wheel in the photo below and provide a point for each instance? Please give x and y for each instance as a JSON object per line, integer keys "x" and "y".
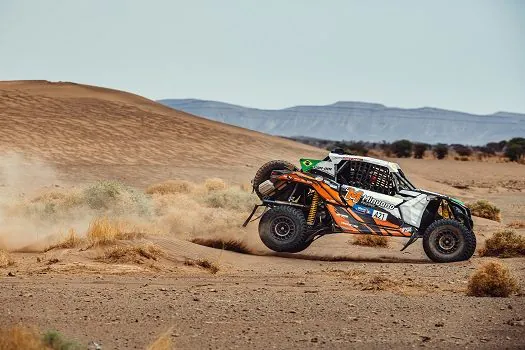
{"x": 265, "y": 172}
{"x": 448, "y": 240}
{"x": 284, "y": 229}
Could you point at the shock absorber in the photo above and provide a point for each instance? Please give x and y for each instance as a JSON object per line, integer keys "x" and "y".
{"x": 313, "y": 210}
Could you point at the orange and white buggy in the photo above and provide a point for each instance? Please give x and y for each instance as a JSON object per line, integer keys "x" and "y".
{"x": 360, "y": 195}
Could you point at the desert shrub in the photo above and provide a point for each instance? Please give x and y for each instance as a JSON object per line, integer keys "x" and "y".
{"x": 51, "y": 205}
{"x": 20, "y": 337}
{"x": 116, "y": 197}
{"x": 214, "y": 184}
{"x": 55, "y": 340}
{"x": 133, "y": 254}
{"x": 204, "y": 263}
{"x": 440, "y": 150}
{"x": 487, "y": 152}
{"x": 492, "y": 279}
{"x": 358, "y": 148}
{"x": 5, "y": 259}
{"x": 170, "y": 187}
{"x": 230, "y": 244}
{"x": 419, "y": 150}
{"x": 231, "y": 198}
{"x": 386, "y": 148}
{"x": 378, "y": 283}
{"x": 370, "y": 241}
{"x": 401, "y": 148}
{"x": 496, "y": 146}
{"x": 514, "y": 152}
{"x": 463, "y": 151}
{"x": 28, "y": 338}
{"x": 517, "y": 224}
{"x": 505, "y": 243}
{"x": 71, "y": 240}
{"x": 103, "y": 231}
{"x": 485, "y": 209}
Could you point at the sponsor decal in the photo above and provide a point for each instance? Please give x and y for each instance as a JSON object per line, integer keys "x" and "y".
{"x": 377, "y": 202}
{"x": 379, "y": 215}
{"x": 362, "y": 209}
{"x": 308, "y": 164}
{"x": 352, "y": 195}
{"x": 407, "y": 229}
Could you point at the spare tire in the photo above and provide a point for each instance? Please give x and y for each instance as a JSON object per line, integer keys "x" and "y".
{"x": 265, "y": 172}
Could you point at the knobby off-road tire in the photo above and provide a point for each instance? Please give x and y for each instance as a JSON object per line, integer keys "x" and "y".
{"x": 284, "y": 229}
{"x": 448, "y": 240}
{"x": 265, "y": 172}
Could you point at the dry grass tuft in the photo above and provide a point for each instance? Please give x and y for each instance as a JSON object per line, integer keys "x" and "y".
{"x": 214, "y": 184}
{"x": 230, "y": 244}
{"x": 21, "y": 337}
{"x": 517, "y": 224}
{"x": 485, "y": 209}
{"x": 204, "y": 263}
{"x": 71, "y": 240}
{"x": 163, "y": 342}
{"x": 492, "y": 279}
{"x": 378, "y": 283}
{"x": 170, "y": 187}
{"x": 103, "y": 231}
{"x": 354, "y": 274}
{"x": 5, "y": 259}
{"x": 370, "y": 241}
{"x": 504, "y": 244}
{"x": 28, "y": 338}
{"x": 131, "y": 254}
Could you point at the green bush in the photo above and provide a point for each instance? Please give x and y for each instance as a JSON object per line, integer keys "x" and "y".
{"x": 440, "y": 150}
{"x": 463, "y": 151}
{"x": 117, "y": 197}
{"x": 515, "y": 149}
{"x": 419, "y": 150}
{"x": 401, "y": 148}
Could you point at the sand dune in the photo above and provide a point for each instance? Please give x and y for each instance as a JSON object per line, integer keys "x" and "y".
{"x": 91, "y": 132}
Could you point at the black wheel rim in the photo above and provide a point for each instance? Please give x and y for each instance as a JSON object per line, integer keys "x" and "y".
{"x": 283, "y": 228}
{"x": 447, "y": 241}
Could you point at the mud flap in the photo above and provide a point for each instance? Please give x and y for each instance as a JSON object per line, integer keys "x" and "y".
{"x": 251, "y": 214}
{"x": 411, "y": 240}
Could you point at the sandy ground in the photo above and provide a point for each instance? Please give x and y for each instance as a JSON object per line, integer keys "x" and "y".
{"x": 255, "y": 301}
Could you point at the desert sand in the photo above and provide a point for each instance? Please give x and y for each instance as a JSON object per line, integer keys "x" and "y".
{"x": 65, "y": 136}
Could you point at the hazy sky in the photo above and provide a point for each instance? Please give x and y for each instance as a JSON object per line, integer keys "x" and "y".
{"x": 462, "y": 55}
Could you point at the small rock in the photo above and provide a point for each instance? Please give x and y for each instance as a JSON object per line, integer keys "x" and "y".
{"x": 10, "y": 274}
{"x": 509, "y": 307}
{"x": 196, "y": 299}
{"x": 163, "y": 289}
{"x": 314, "y": 340}
{"x": 439, "y": 324}
{"x": 424, "y": 338}
{"x": 519, "y": 323}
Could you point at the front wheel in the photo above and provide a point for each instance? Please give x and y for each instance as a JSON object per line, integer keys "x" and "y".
{"x": 448, "y": 240}
{"x": 284, "y": 229}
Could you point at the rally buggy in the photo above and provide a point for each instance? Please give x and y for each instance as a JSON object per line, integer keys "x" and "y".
{"x": 361, "y": 195}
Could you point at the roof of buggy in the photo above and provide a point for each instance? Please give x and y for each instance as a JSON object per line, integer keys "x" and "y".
{"x": 336, "y": 158}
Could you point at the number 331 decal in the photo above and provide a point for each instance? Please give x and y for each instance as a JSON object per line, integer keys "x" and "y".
{"x": 380, "y": 215}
